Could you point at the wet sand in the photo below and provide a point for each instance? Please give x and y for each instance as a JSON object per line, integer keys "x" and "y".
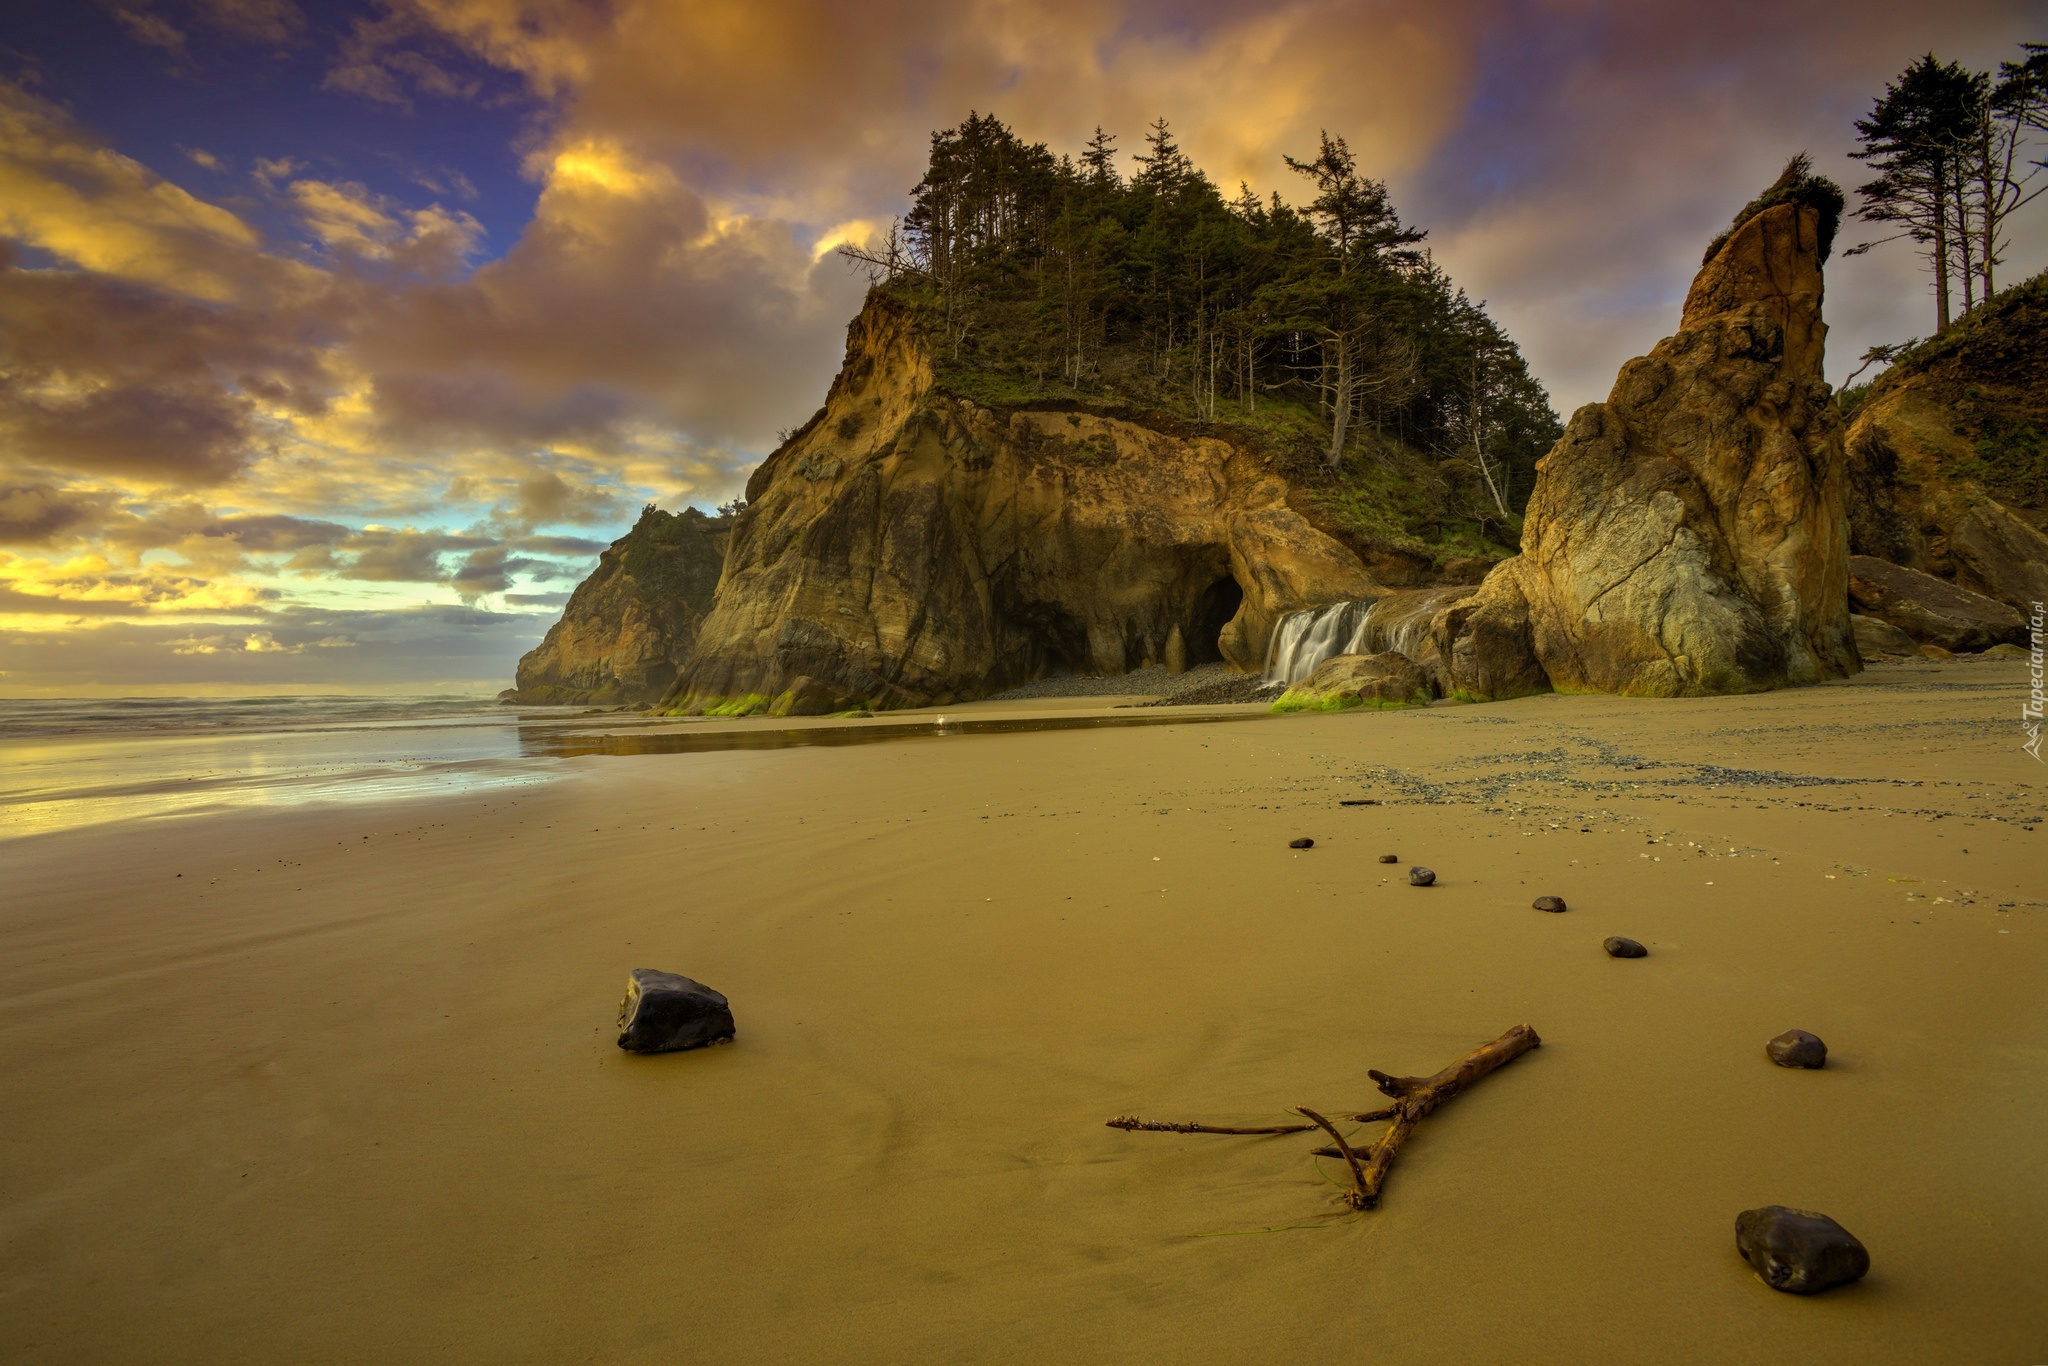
{"x": 326, "y": 1097}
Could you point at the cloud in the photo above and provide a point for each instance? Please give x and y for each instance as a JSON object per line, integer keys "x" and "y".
{"x": 64, "y": 193}
{"x": 255, "y": 643}
{"x": 383, "y": 555}
{"x": 817, "y": 107}
{"x": 483, "y": 572}
{"x": 392, "y": 57}
{"x": 149, "y": 29}
{"x": 36, "y": 514}
{"x": 350, "y": 220}
{"x": 102, "y": 375}
{"x": 144, "y": 588}
{"x": 272, "y": 23}
{"x": 629, "y": 301}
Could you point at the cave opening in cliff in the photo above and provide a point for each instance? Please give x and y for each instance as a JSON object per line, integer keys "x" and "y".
{"x": 1058, "y": 642}
{"x": 1213, "y": 610}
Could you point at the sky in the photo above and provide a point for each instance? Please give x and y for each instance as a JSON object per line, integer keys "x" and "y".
{"x": 337, "y": 339}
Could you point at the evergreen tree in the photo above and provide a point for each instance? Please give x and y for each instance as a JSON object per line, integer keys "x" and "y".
{"x": 1946, "y": 143}
{"x": 1057, "y": 274}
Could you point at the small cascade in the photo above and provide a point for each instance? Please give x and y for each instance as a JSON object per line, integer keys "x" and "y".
{"x": 1305, "y": 639}
{"x": 1398, "y": 622}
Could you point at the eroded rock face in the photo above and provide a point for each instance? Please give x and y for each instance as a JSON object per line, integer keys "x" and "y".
{"x": 1876, "y": 639}
{"x": 1944, "y": 455}
{"x": 1930, "y": 610}
{"x": 630, "y": 626}
{"x": 1383, "y": 680}
{"x": 910, "y": 546}
{"x": 1688, "y": 536}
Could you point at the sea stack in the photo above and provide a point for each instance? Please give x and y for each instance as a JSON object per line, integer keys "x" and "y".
{"x": 910, "y": 545}
{"x": 1689, "y": 536}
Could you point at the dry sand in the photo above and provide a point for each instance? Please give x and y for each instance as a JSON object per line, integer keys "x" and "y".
{"x": 335, "y": 1098}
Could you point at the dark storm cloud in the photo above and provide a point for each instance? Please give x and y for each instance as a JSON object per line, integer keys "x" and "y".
{"x": 37, "y": 514}
{"x": 106, "y": 376}
{"x": 384, "y": 556}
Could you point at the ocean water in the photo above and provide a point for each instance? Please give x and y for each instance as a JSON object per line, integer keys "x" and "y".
{"x": 71, "y": 762}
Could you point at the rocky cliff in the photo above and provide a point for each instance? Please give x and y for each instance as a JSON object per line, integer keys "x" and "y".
{"x": 1689, "y": 535}
{"x": 630, "y": 626}
{"x": 1948, "y": 454}
{"x": 910, "y": 545}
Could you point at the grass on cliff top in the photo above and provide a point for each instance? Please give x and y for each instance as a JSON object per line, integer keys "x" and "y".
{"x": 2021, "y": 308}
{"x": 1796, "y": 184}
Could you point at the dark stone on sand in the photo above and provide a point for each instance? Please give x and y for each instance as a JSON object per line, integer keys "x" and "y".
{"x": 1798, "y": 1251}
{"x": 664, "y": 1012}
{"x": 1553, "y": 904}
{"x": 1390, "y": 858}
{"x": 1420, "y": 877}
{"x": 1301, "y": 844}
{"x": 1359, "y": 801}
{"x": 1619, "y": 947}
{"x": 1797, "y": 1048}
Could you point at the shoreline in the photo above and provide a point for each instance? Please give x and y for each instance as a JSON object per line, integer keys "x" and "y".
{"x": 333, "y": 1098}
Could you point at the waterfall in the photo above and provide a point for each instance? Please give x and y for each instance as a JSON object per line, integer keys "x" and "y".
{"x": 1303, "y": 640}
{"x": 1399, "y": 621}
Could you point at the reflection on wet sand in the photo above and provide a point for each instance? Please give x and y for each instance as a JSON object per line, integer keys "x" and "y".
{"x": 552, "y": 742}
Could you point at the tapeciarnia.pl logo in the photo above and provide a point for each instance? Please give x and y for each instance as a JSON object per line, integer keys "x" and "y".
{"x": 2030, "y": 714}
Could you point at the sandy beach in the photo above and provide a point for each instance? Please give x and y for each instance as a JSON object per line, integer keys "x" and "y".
{"x": 338, "y": 1083}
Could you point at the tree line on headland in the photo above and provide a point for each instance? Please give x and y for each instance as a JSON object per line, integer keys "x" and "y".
{"x": 1058, "y": 274}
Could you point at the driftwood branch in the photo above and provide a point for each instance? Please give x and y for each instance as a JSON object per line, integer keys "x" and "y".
{"x": 1356, "y": 1198}
{"x": 1415, "y": 1099}
{"x": 1164, "y": 1126}
{"x": 1168, "y": 1126}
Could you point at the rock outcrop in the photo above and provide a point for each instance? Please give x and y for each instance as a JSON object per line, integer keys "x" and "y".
{"x": 1948, "y": 454}
{"x": 630, "y": 626}
{"x": 910, "y": 546}
{"x": 1689, "y": 535}
{"x": 1343, "y": 681}
{"x": 1931, "y": 611}
{"x": 1880, "y": 639}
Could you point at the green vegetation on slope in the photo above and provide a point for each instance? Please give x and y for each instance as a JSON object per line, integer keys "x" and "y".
{"x": 1321, "y": 335}
{"x": 1990, "y": 371}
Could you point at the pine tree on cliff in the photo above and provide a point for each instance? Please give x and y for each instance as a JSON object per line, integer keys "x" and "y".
{"x": 1344, "y": 300}
{"x": 1051, "y": 272}
{"x": 1914, "y": 139}
{"x": 2018, "y": 105}
{"x": 1946, "y": 144}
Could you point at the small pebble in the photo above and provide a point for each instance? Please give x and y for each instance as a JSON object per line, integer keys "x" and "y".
{"x": 1797, "y": 1048}
{"x": 1390, "y": 858}
{"x": 1420, "y": 877}
{"x": 1619, "y": 947}
{"x": 1798, "y": 1251}
{"x": 1301, "y": 844}
{"x": 1552, "y": 904}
